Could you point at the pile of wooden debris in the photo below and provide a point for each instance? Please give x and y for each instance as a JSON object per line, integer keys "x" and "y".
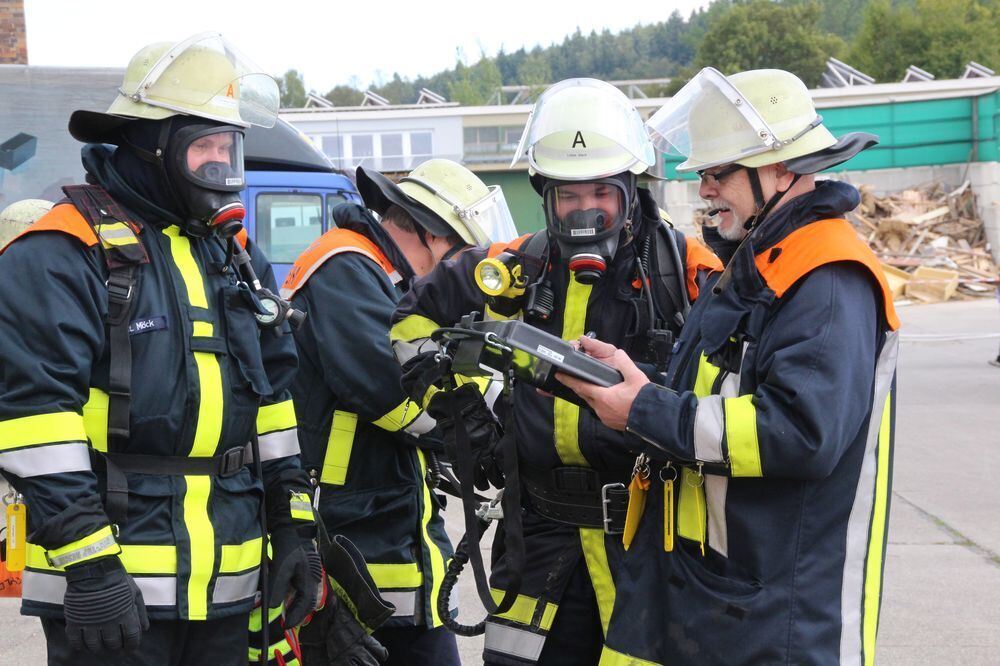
{"x": 931, "y": 242}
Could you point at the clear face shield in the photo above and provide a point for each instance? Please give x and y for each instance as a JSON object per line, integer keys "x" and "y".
{"x": 580, "y": 129}
{"x": 585, "y": 212}
{"x": 207, "y": 76}
{"x": 711, "y": 123}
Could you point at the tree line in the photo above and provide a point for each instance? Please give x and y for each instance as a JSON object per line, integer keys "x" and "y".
{"x": 879, "y": 37}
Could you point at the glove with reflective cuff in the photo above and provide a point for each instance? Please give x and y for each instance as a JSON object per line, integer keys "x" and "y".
{"x": 340, "y": 633}
{"x": 103, "y": 607}
{"x": 296, "y": 575}
{"x": 481, "y": 426}
{"x": 422, "y": 376}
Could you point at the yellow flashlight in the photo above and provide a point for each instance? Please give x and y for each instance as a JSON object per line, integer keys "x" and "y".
{"x": 500, "y": 276}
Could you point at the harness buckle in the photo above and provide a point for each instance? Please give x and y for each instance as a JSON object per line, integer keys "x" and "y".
{"x": 605, "y": 504}
{"x": 233, "y": 461}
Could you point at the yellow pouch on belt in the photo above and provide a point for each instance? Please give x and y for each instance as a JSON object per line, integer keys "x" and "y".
{"x": 637, "y": 490}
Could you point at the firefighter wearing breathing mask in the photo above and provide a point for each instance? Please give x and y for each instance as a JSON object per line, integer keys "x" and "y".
{"x": 608, "y": 263}
{"x": 144, "y": 404}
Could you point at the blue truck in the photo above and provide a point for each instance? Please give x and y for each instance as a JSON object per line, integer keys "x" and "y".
{"x": 291, "y": 190}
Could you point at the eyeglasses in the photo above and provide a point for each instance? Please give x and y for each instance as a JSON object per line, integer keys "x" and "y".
{"x": 715, "y": 179}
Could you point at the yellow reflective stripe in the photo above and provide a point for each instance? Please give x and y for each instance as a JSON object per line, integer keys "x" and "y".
{"x": 95, "y": 419}
{"x": 180, "y": 249}
{"x": 202, "y": 329}
{"x": 566, "y": 415}
{"x": 600, "y": 572}
{"x": 691, "y": 513}
{"x": 338, "y": 448}
{"x": 876, "y": 540}
{"x": 611, "y": 657}
{"x": 707, "y": 374}
{"x": 399, "y": 416}
{"x": 272, "y": 615}
{"x": 42, "y": 429}
{"x": 240, "y": 557}
{"x": 412, "y": 327}
{"x": 437, "y": 561}
{"x": 300, "y": 507}
{"x": 524, "y": 609}
{"x": 116, "y": 233}
{"x": 741, "y": 436}
{"x": 279, "y": 416}
{"x": 201, "y": 539}
{"x": 137, "y": 559}
{"x": 396, "y": 576}
{"x": 94, "y": 545}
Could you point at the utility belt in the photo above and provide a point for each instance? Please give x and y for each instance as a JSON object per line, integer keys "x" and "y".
{"x": 577, "y": 496}
{"x": 116, "y": 465}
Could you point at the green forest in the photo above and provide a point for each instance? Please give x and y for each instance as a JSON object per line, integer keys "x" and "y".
{"x": 879, "y": 37}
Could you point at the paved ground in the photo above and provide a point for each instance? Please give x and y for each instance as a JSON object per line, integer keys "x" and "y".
{"x": 942, "y": 584}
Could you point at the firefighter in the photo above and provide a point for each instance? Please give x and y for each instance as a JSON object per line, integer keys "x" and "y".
{"x": 765, "y": 459}
{"x": 371, "y": 449}
{"x": 138, "y": 390}
{"x": 607, "y": 263}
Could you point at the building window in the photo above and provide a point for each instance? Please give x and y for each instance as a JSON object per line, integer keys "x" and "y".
{"x": 393, "y": 158}
{"x": 491, "y": 144}
{"x": 287, "y": 223}
{"x": 362, "y": 150}
{"x": 392, "y": 151}
{"x": 421, "y": 149}
{"x": 331, "y": 146}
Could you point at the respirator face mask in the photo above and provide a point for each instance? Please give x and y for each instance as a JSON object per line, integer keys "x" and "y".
{"x": 586, "y": 220}
{"x": 205, "y": 168}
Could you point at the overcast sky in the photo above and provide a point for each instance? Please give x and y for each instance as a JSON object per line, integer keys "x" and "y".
{"x": 350, "y": 41}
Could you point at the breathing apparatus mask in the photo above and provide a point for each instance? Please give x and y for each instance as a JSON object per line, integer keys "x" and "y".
{"x": 587, "y": 220}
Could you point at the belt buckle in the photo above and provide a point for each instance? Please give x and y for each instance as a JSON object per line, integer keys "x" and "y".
{"x": 232, "y": 461}
{"x": 605, "y": 501}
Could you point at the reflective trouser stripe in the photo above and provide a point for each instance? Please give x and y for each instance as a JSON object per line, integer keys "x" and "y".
{"x": 95, "y": 419}
{"x": 395, "y": 576}
{"x": 520, "y": 643}
{"x": 600, "y": 572}
{"x": 611, "y": 657}
{"x": 433, "y": 552}
{"x": 50, "y": 588}
{"x": 97, "y": 544}
{"x": 566, "y": 415}
{"x": 200, "y": 532}
{"x": 338, "y": 448}
{"x": 876, "y": 543}
{"x": 526, "y": 611}
{"x": 405, "y": 601}
{"x": 741, "y": 436}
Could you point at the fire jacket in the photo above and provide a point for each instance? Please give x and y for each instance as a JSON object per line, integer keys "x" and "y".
{"x": 361, "y": 436}
{"x": 550, "y": 433}
{"x": 201, "y": 369}
{"x": 771, "y": 450}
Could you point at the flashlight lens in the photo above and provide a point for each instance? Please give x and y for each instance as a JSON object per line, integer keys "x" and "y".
{"x": 491, "y": 278}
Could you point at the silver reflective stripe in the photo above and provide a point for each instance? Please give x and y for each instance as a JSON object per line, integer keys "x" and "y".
{"x": 82, "y": 553}
{"x": 405, "y": 602}
{"x": 279, "y": 444}
{"x": 422, "y": 424}
{"x": 235, "y": 588}
{"x": 859, "y": 523}
{"x": 709, "y": 420}
{"x": 715, "y": 497}
{"x": 520, "y": 643}
{"x": 730, "y": 387}
{"x": 50, "y": 459}
{"x": 296, "y": 505}
{"x": 493, "y": 390}
{"x": 51, "y": 588}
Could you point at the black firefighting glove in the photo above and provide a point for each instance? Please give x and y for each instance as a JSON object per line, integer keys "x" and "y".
{"x": 420, "y": 373}
{"x": 295, "y": 576}
{"x": 481, "y": 428}
{"x": 340, "y": 633}
{"x": 103, "y": 607}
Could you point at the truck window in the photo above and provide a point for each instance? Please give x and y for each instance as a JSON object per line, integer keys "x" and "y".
{"x": 287, "y": 223}
{"x": 332, "y": 201}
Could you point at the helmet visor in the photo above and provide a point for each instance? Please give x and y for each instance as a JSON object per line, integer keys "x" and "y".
{"x": 214, "y": 159}
{"x": 583, "y": 212}
{"x": 710, "y": 123}
{"x": 577, "y": 108}
{"x": 490, "y": 217}
{"x": 207, "y": 73}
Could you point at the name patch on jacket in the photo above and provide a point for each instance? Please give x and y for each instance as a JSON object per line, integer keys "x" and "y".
{"x": 147, "y": 324}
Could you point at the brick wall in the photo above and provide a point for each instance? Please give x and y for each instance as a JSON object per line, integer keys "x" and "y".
{"x": 13, "y": 36}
